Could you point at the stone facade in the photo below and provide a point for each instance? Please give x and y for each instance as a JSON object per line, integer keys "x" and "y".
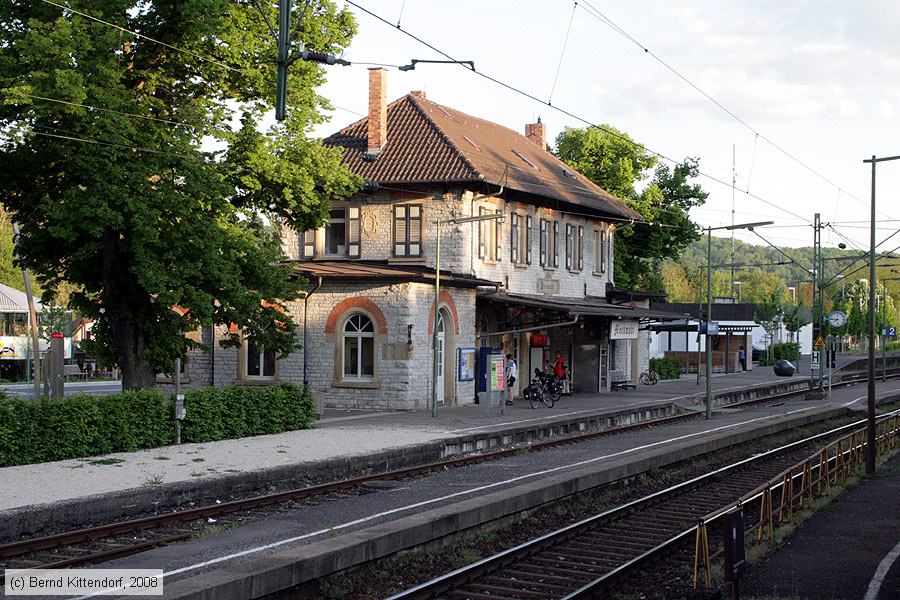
{"x": 460, "y": 243}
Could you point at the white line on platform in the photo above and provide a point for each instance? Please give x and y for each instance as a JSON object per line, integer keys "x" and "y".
{"x": 881, "y": 572}
{"x": 392, "y": 511}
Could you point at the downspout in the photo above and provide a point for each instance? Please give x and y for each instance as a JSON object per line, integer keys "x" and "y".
{"x": 305, "y": 345}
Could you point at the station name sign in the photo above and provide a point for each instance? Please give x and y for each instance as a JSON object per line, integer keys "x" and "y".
{"x": 623, "y": 330}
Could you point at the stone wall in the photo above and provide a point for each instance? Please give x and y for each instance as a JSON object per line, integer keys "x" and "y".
{"x": 403, "y": 371}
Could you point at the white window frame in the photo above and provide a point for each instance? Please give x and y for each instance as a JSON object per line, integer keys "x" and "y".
{"x": 260, "y": 362}
{"x": 361, "y": 337}
{"x": 332, "y": 221}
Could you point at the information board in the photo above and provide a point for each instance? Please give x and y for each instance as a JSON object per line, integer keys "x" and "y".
{"x": 497, "y": 375}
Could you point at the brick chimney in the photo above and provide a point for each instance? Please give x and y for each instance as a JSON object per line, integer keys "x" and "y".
{"x": 377, "y": 133}
{"x": 537, "y": 133}
{"x": 418, "y": 94}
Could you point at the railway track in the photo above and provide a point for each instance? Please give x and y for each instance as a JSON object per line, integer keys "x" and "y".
{"x": 577, "y": 560}
{"x": 114, "y": 540}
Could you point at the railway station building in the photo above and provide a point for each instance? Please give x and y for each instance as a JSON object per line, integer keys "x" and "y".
{"x": 536, "y": 282}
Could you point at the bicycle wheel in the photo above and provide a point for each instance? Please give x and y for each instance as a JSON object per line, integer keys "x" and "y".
{"x": 547, "y": 398}
{"x": 532, "y": 394}
{"x": 645, "y": 378}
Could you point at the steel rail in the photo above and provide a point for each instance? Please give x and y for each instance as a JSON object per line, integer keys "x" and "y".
{"x": 493, "y": 563}
{"x": 90, "y": 534}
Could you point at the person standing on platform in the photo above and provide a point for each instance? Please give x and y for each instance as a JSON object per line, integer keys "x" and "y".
{"x": 742, "y": 358}
{"x": 512, "y": 371}
{"x": 559, "y": 369}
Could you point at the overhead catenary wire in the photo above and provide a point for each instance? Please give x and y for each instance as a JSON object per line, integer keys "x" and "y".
{"x": 562, "y": 54}
{"x": 597, "y": 14}
{"x": 566, "y": 112}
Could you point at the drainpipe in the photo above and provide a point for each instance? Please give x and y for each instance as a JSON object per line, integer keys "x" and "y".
{"x": 305, "y": 345}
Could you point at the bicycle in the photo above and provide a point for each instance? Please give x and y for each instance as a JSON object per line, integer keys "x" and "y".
{"x": 539, "y": 391}
{"x": 649, "y": 377}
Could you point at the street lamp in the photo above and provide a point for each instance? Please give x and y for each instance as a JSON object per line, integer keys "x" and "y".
{"x": 709, "y": 231}
{"x": 870, "y": 420}
{"x": 435, "y": 366}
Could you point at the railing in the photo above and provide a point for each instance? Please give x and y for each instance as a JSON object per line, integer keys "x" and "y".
{"x": 798, "y": 487}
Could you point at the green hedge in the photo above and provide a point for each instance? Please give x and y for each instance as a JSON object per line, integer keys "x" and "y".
{"x": 84, "y": 425}
{"x": 786, "y": 351}
{"x": 666, "y": 368}
{"x": 223, "y": 413}
{"x": 892, "y": 346}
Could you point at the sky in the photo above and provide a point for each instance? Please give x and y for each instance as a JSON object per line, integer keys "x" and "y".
{"x": 817, "y": 81}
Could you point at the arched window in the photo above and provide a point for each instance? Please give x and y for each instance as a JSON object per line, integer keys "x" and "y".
{"x": 359, "y": 348}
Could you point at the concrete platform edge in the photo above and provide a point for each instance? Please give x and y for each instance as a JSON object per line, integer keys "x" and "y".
{"x": 263, "y": 576}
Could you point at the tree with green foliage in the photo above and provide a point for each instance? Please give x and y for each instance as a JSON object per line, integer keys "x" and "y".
{"x": 794, "y": 318}
{"x": 148, "y": 176}
{"x": 613, "y": 161}
{"x": 768, "y": 315}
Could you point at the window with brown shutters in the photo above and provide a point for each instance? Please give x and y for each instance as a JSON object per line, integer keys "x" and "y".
{"x": 570, "y": 246}
{"x": 555, "y": 243}
{"x": 408, "y": 230}
{"x": 602, "y": 251}
{"x": 528, "y": 226}
{"x": 308, "y": 247}
{"x": 353, "y": 244}
{"x": 544, "y": 252}
{"x": 579, "y": 248}
{"x": 488, "y": 236}
{"x": 514, "y": 238}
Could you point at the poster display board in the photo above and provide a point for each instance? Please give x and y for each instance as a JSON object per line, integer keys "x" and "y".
{"x": 465, "y": 360}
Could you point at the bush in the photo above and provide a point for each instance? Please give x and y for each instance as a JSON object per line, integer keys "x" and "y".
{"x": 83, "y": 425}
{"x": 666, "y": 368}
{"x": 222, "y": 413}
{"x": 785, "y": 351}
{"x": 892, "y": 346}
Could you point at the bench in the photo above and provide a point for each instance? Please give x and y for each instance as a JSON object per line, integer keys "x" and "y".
{"x": 73, "y": 371}
{"x": 618, "y": 381}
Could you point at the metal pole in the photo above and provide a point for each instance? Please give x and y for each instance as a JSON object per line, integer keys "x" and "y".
{"x": 284, "y": 46}
{"x": 434, "y": 340}
{"x": 883, "y": 337}
{"x": 870, "y": 421}
{"x": 179, "y": 405}
{"x": 32, "y": 316}
{"x": 699, "y": 320}
{"x": 815, "y": 303}
{"x": 708, "y": 320}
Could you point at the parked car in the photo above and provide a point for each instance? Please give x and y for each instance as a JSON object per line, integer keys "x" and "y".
{"x": 755, "y": 353}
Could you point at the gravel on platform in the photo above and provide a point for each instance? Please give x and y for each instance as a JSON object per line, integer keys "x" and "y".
{"x": 27, "y": 485}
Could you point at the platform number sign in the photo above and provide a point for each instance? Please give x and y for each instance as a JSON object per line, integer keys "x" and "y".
{"x": 734, "y": 543}
{"x": 889, "y": 332}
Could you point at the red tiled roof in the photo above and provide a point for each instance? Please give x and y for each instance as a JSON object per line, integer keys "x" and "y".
{"x": 428, "y": 143}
